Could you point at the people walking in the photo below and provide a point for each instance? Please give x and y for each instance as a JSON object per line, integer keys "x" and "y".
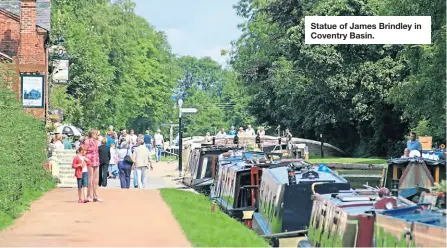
{"x": 221, "y": 133}
{"x": 67, "y": 143}
{"x": 58, "y": 144}
{"x": 232, "y": 131}
{"x": 241, "y": 132}
{"x": 81, "y": 174}
{"x": 261, "y": 131}
{"x": 92, "y": 155}
{"x": 148, "y": 140}
{"x": 159, "y": 143}
{"x": 112, "y": 132}
{"x": 124, "y": 167}
{"x": 250, "y": 131}
{"x": 104, "y": 161}
{"x": 124, "y": 137}
{"x": 142, "y": 161}
{"x": 113, "y": 163}
{"x": 133, "y": 138}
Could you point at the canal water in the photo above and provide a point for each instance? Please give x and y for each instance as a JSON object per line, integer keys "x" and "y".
{"x": 358, "y": 178}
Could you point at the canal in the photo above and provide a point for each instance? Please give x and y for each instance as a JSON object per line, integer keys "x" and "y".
{"x": 358, "y": 178}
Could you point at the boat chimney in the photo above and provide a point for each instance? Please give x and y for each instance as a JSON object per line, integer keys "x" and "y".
{"x": 395, "y": 186}
{"x": 291, "y": 175}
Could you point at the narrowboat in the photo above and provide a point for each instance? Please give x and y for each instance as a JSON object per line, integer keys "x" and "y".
{"x": 285, "y": 201}
{"x": 235, "y": 187}
{"x": 412, "y": 226}
{"x": 356, "y": 219}
{"x": 403, "y": 173}
{"x": 202, "y": 167}
{"x": 345, "y": 219}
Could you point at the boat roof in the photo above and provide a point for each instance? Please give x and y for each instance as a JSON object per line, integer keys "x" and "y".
{"x": 352, "y": 202}
{"x": 281, "y": 174}
{"x": 239, "y": 160}
{"x": 415, "y": 214}
{"x": 416, "y": 160}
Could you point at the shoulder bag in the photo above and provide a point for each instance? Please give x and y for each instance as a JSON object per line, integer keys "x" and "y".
{"x": 128, "y": 158}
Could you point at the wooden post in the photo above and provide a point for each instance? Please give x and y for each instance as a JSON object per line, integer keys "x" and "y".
{"x": 395, "y": 172}
{"x": 437, "y": 174}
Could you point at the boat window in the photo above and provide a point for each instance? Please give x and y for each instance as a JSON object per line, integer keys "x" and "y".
{"x": 354, "y": 198}
{"x": 209, "y": 167}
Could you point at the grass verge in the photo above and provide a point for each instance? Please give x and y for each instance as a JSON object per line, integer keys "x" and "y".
{"x": 204, "y": 228}
{"x": 347, "y": 160}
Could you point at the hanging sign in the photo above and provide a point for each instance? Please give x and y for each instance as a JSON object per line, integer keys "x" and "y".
{"x": 60, "y": 71}
{"x": 32, "y": 91}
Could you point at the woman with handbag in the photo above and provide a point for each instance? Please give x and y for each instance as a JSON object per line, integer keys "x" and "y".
{"x": 124, "y": 164}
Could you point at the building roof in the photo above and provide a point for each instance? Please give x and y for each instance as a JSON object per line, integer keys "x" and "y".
{"x": 43, "y": 11}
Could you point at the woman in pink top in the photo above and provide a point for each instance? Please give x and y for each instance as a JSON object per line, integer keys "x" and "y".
{"x": 93, "y": 166}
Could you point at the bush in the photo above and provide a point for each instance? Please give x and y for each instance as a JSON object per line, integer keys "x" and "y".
{"x": 23, "y": 145}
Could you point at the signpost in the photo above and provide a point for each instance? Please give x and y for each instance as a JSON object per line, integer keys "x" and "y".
{"x": 188, "y": 110}
{"x": 180, "y": 141}
{"x": 62, "y": 168}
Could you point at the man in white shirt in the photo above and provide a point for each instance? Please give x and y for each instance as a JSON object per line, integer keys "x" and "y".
{"x": 158, "y": 144}
{"x": 58, "y": 142}
{"x": 261, "y": 131}
{"x": 124, "y": 138}
{"x": 133, "y": 138}
{"x": 142, "y": 161}
{"x": 249, "y": 131}
{"x": 221, "y": 133}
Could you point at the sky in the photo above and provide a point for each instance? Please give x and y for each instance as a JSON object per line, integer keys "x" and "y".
{"x": 194, "y": 27}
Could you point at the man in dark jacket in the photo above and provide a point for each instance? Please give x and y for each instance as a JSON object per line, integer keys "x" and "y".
{"x": 104, "y": 160}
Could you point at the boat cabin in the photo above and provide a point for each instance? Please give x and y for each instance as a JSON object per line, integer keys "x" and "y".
{"x": 345, "y": 219}
{"x": 285, "y": 200}
{"x": 202, "y": 167}
{"x": 235, "y": 188}
{"x": 411, "y": 226}
{"x": 403, "y": 173}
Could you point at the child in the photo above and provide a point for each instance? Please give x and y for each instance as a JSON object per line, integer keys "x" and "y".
{"x": 113, "y": 164}
{"x": 80, "y": 166}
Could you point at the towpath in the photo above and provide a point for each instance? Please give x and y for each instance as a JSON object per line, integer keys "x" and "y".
{"x": 126, "y": 218}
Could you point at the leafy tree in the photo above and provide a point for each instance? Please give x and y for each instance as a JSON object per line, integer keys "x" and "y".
{"x": 338, "y": 90}
{"x": 421, "y": 96}
{"x": 123, "y": 72}
{"x": 215, "y": 92}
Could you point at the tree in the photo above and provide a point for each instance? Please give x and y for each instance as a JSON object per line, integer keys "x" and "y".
{"x": 123, "y": 72}
{"x": 338, "y": 90}
{"x": 421, "y": 96}
{"x": 216, "y": 94}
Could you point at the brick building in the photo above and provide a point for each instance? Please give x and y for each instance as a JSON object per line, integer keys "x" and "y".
{"x": 24, "y": 33}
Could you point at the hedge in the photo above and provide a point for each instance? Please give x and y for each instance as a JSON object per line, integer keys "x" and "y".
{"x": 23, "y": 152}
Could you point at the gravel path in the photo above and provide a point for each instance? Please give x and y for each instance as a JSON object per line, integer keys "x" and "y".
{"x": 129, "y": 217}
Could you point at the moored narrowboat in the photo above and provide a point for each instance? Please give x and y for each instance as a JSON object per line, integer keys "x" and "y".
{"x": 403, "y": 173}
{"x": 285, "y": 201}
{"x": 235, "y": 187}
{"x": 413, "y": 226}
{"x": 202, "y": 167}
{"x": 369, "y": 218}
{"x": 346, "y": 218}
